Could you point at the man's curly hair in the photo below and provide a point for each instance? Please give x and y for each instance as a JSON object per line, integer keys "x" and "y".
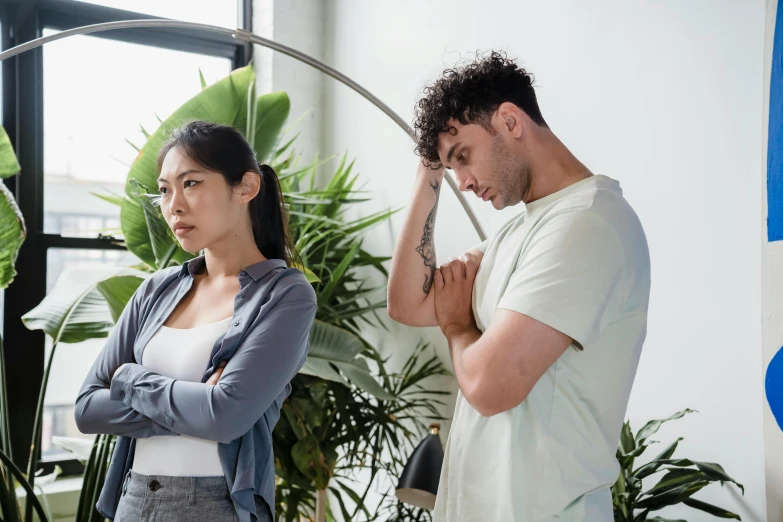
{"x": 471, "y": 94}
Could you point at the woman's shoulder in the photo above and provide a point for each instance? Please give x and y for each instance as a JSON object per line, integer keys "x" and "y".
{"x": 292, "y": 285}
{"x": 157, "y": 280}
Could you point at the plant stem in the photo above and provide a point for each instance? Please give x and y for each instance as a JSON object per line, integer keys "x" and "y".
{"x": 320, "y": 506}
{"x": 17, "y": 473}
{"x": 35, "y": 445}
{"x": 5, "y": 429}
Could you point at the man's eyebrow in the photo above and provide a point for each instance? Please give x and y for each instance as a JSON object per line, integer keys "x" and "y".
{"x": 451, "y": 151}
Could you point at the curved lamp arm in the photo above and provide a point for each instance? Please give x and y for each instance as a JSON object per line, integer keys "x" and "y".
{"x": 247, "y": 36}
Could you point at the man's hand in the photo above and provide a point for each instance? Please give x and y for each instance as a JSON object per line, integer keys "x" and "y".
{"x": 453, "y": 293}
{"x": 213, "y": 379}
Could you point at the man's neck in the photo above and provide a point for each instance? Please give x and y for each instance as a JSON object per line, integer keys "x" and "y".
{"x": 554, "y": 168}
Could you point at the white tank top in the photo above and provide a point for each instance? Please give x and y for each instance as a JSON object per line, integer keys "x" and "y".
{"x": 181, "y": 354}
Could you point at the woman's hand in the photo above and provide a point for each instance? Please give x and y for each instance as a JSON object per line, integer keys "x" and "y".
{"x": 115, "y": 372}
{"x": 213, "y": 379}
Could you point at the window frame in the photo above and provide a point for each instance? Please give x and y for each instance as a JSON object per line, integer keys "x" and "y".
{"x": 23, "y": 109}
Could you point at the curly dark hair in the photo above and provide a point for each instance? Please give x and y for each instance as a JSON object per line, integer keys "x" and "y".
{"x": 471, "y": 94}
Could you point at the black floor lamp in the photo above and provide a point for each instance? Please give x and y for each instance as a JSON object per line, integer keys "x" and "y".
{"x": 418, "y": 484}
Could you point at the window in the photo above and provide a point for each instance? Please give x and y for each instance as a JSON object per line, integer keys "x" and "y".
{"x": 69, "y": 108}
{"x": 215, "y": 12}
{"x": 87, "y": 121}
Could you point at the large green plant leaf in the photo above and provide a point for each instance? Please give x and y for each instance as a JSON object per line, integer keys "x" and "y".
{"x": 271, "y": 114}
{"x": 653, "y": 466}
{"x": 9, "y": 165}
{"x": 134, "y": 227}
{"x": 653, "y": 426}
{"x": 337, "y": 274}
{"x": 12, "y": 227}
{"x": 75, "y": 310}
{"x": 710, "y": 470}
{"x": 709, "y": 508}
{"x": 671, "y": 496}
{"x": 627, "y": 442}
{"x": 358, "y": 373}
{"x": 332, "y": 346}
{"x": 117, "y": 291}
{"x": 314, "y": 460}
{"x": 12, "y": 235}
{"x": 676, "y": 478}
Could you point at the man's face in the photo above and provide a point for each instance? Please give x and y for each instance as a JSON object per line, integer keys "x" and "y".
{"x": 489, "y": 164}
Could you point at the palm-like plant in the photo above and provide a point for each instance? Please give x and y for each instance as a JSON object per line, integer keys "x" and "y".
{"x": 682, "y": 478}
{"x": 339, "y": 416}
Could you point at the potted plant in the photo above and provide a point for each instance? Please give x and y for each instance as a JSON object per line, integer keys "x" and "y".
{"x": 681, "y": 479}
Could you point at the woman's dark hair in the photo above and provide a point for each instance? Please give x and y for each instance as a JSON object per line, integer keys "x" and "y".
{"x": 223, "y": 149}
{"x": 471, "y": 94}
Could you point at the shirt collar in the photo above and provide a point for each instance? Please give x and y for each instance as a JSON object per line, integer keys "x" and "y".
{"x": 255, "y": 271}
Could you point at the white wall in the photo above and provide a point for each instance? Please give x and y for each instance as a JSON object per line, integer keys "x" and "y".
{"x": 664, "y": 96}
{"x": 298, "y": 24}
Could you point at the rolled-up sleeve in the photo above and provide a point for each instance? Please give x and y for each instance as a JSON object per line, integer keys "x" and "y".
{"x": 262, "y": 367}
{"x": 95, "y": 411}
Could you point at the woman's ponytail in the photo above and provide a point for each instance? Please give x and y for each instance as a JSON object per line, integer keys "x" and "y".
{"x": 270, "y": 218}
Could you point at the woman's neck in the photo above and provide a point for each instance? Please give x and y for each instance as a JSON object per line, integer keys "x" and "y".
{"x": 229, "y": 258}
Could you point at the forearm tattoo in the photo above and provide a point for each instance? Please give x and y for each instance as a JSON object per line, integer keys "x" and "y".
{"x": 427, "y": 247}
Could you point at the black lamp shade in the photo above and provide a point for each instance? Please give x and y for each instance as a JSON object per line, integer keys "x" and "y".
{"x": 418, "y": 484}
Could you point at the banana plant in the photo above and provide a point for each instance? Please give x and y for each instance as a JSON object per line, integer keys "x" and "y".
{"x": 681, "y": 479}
{"x": 12, "y": 234}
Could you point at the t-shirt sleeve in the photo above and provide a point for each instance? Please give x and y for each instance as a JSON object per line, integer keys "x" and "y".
{"x": 569, "y": 276}
{"x": 481, "y": 246}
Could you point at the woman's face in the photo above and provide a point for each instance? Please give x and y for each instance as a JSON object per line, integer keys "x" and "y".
{"x": 198, "y": 204}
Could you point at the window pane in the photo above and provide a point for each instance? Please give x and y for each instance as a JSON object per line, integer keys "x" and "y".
{"x": 71, "y": 361}
{"x": 214, "y": 12}
{"x": 97, "y": 94}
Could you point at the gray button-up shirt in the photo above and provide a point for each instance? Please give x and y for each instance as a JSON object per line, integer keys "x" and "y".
{"x": 266, "y": 344}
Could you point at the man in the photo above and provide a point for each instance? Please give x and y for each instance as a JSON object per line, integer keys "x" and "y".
{"x": 545, "y": 320}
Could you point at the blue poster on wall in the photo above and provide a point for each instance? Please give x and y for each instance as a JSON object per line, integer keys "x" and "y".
{"x": 775, "y": 143}
{"x": 773, "y": 383}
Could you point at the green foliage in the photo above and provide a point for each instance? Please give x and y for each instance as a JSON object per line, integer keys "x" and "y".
{"x": 681, "y": 478}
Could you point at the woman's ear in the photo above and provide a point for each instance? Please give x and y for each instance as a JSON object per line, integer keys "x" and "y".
{"x": 251, "y": 185}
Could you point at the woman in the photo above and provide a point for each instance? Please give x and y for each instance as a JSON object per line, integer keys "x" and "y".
{"x": 195, "y": 372}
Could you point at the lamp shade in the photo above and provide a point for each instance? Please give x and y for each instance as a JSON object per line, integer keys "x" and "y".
{"x": 418, "y": 484}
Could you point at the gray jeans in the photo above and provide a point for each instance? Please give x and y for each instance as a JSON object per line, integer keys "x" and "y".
{"x": 173, "y": 499}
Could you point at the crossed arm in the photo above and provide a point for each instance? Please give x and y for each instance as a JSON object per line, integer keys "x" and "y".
{"x": 137, "y": 402}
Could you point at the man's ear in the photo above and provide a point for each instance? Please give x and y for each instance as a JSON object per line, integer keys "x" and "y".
{"x": 511, "y": 118}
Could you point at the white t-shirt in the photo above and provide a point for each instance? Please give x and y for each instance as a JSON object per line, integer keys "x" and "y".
{"x": 182, "y": 354}
{"x": 576, "y": 260}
